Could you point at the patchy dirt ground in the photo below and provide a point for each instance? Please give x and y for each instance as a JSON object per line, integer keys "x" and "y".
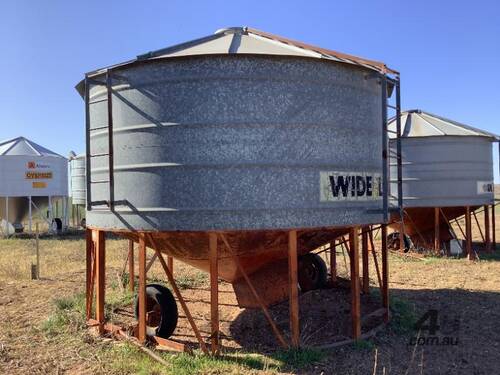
{"x": 465, "y": 297}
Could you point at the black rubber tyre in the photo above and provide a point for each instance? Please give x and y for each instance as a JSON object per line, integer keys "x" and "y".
{"x": 393, "y": 242}
{"x": 312, "y": 272}
{"x": 57, "y": 224}
{"x": 162, "y": 308}
{"x": 83, "y": 223}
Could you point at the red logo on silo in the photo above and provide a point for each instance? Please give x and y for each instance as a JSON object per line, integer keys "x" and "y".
{"x": 31, "y": 165}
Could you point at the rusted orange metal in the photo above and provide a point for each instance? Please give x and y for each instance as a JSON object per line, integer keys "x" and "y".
{"x": 261, "y": 254}
{"x": 131, "y": 273}
{"x": 170, "y": 345}
{"x": 333, "y": 260}
{"x": 261, "y": 303}
{"x": 293, "y": 285}
{"x": 381, "y": 67}
{"x": 355, "y": 299}
{"x": 100, "y": 257}
{"x": 364, "y": 257}
{"x": 214, "y": 291}
{"x": 493, "y": 229}
{"x": 385, "y": 274}
{"x": 141, "y": 335}
{"x": 179, "y": 296}
{"x": 375, "y": 260}
{"x": 424, "y": 232}
{"x": 296, "y": 242}
{"x": 487, "y": 228}
{"x": 90, "y": 272}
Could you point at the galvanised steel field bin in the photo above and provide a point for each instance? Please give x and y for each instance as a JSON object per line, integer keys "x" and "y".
{"x": 447, "y": 172}
{"x": 235, "y": 153}
{"x": 78, "y": 187}
{"x": 33, "y": 180}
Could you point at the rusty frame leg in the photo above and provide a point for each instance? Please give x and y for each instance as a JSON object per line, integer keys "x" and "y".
{"x": 478, "y": 225}
{"x": 275, "y": 329}
{"x": 178, "y": 294}
{"x": 415, "y": 226}
{"x": 99, "y": 240}
{"x": 355, "y": 299}
{"x": 451, "y": 228}
{"x": 459, "y": 227}
{"x": 402, "y": 236}
{"x": 294, "y": 290}
{"x": 151, "y": 263}
{"x": 487, "y": 228}
{"x": 131, "y": 273}
{"x": 364, "y": 257}
{"x": 214, "y": 292}
{"x": 170, "y": 264}
{"x": 333, "y": 260}
{"x": 375, "y": 260}
{"x": 90, "y": 272}
{"x": 468, "y": 234}
{"x": 141, "y": 333}
{"x": 385, "y": 274}
{"x": 493, "y": 229}
{"x": 437, "y": 246}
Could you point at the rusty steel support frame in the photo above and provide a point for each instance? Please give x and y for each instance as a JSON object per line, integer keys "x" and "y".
{"x": 355, "y": 298}
{"x": 141, "y": 333}
{"x": 364, "y": 256}
{"x": 131, "y": 272}
{"x": 99, "y": 241}
{"x": 402, "y": 236}
{"x": 95, "y": 249}
{"x": 375, "y": 260}
{"x": 214, "y": 292}
{"x": 493, "y": 227}
{"x": 416, "y": 228}
{"x": 90, "y": 272}
{"x": 267, "y": 315}
{"x": 385, "y": 274}
{"x": 468, "y": 234}
{"x": 459, "y": 227}
{"x": 451, "y": 228}
{"x": 437, "y": 245}
{"x": 178, "y": 294}
{"x": 333, "y": 261}
{"x": 478, "y": 225}
{"x": 170, "y": 264}
{"x": 487, "y": 239}
{"x": 293, "y": 288}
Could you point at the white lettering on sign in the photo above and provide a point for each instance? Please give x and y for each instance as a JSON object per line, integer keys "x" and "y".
{"x": 484, "y": 187}
{"x": 349, "y": 186}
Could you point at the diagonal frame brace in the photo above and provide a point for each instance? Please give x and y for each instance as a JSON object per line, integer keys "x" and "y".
{"x": 178, "y": 294}
{"x": 275, "y": 329}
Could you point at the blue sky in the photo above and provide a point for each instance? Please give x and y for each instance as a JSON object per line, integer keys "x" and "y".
{"x": 448, "y": 52}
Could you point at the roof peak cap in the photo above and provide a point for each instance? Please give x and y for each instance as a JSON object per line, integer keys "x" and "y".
{"x": 232, "y": 30}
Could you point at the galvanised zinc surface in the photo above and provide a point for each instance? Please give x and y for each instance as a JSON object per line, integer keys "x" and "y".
{"x": 235, "y": 142}
{"x": 444, "y": 171}
{"x": 78, "y": 182}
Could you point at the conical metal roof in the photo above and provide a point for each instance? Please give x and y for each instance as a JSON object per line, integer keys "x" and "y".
{"x": 245, "y": 40}
{"x": 22, "y": 146}
{"x": 417, "y": 123}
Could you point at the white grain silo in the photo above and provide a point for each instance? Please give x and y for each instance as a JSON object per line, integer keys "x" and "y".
{"x": 77, "y": 188}
{"x": 34, "y": 181}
